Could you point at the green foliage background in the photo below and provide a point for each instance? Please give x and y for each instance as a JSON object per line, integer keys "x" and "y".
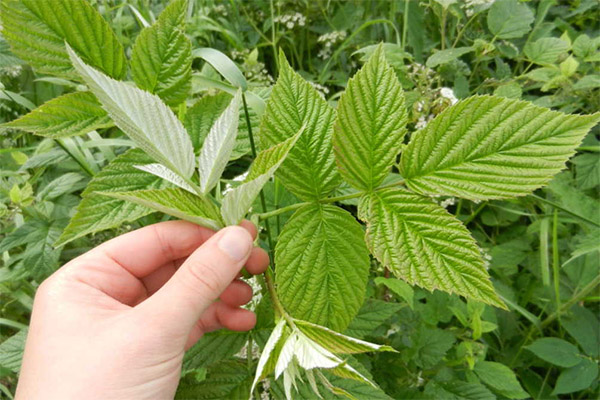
{"x": 543, "y": 250}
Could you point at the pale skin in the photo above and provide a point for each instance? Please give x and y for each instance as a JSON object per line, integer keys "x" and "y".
{"x": 115, "y": 322}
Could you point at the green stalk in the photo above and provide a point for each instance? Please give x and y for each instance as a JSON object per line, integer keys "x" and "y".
{"x": 556, "y": 260}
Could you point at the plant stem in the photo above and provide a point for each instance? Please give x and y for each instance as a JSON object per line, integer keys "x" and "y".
{"x": 405, "y": 24}
{"x": 556, "y": 259}
{"x": 574, "y": 299}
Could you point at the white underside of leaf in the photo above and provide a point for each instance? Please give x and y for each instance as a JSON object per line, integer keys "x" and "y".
{"x": 266, "y": 353}
{"x": 165, "y": 173}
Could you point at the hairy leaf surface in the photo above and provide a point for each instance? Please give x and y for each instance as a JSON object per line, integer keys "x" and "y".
{"x": 143, "y": 117}
{"x": 67, "y": 115}
{"x": 218, "y": 146}
{"x": 161, "y": 60}
{"x": 309, "y": 172}
{"x": 176, "y": 202}
{"x": 322, "y": 266}
{"x": 488, "y": 147}
{"x": 424, "y": 244}
{"x": 370, "y": 125}
{"x": 96, "y": 213}
{"x": 37, "y": 32}
{"x": 166, "y": 174}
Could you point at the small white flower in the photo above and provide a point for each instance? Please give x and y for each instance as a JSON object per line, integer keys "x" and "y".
{"x": 448, "y": 93}
{"x": 450, "y": 201}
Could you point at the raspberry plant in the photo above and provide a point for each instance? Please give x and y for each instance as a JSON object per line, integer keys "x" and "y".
{"x": 482, "y": 148}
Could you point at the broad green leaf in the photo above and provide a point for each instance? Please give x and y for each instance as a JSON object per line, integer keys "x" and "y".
{"x": 11, "y": 351}
{"x": 370, "y": 316}
{"x": 399, "y": 287}
{"x": 309, "y": 172}
{"x": 238, "y": 201}
{"x": 214, "y": 347}
{"x": 66, "y": 183}
{"x": 370, "y": 125}
{"x": 457, "y": 390}
{"x": 143, "y": 117}
{"x": 203, "y": 114}
{"x": 218, "y": 145}
{"x": 510, "y": 90}
{"x": 336, "y": 342}
{"x": 501, "y": 379}
{"x": 581, "y": 324}
{"x": 587, "y": 82}
{"x": 556, "y": 351}
{"x": 545, "y": 50}
{"x": 446, "y": 56}
{"x": 509, "y": 19}
{"x": 488, "y": 147}
{"x": 96, "y": 213}
{"x": 322, "y": 266}
{"x": 161, "y": 60}
{"x": 37, "y": 32}
{"x": 430, "y": 345}
{"x": 165, "y": 173}
{"x": 229, "y": 379}
{"x": 579, "y": 377}
{"x": 67, "y": 115}
{"x": 224, "y": 65}
{"x": 584, "y": 47}
{"x": 420, "y": 242}
{"x": 176, "y": 202}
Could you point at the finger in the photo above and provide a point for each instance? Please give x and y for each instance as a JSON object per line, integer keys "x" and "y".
{"x": 258, "y": 261}
{"x": 144, "y": 250}
{"x": 237, "y": 294}
{"x": 250, "y": 227}
{"x": 219, "y": 315}
{"x": 200, "y": 280}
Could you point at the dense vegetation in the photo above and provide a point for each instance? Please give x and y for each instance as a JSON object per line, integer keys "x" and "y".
{"x": 277, "y": 100}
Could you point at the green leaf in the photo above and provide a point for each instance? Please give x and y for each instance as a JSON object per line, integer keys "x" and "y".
{"x": 488, "y": 147}
{"x": 203, "y": 114}
{"x": 229, "y": 379}
{"x": 218, "y": 146}
{"x": 37, "y": 32}
{"x": 176, "y": 202}
{"x": 430, "y": 346}
{"x": 143, "y": 117}
{"x": 96, "y": 213}
{"x": 425, "y": 245}
{"x": 161, "y": 60}
{"x": 556, "y": 351}
{"x": 322, "y": 266}
{"x": 579, "y": 377}
{"x": 370, "y": 125}
{"x": 582, "y": 324}
{"x": 238, "y": 201}
{"x": 11, "y": 351}
{"x": 457, "y": 390}
{"x": 67, "y": 115}
{"x": 270, "y": 353}
{"x": 336, "y": 342}
{"x": 446, "y": 56}
{"x": 66, "y": 183}
{"x": 587, "y": 82}
{"x": 509, "y": 19}
{"x": 501, "y": 379}
{"x": 309, "y": 172}
{"x": 371, "y": 315}
{"x": 224, "y": 65}
{"x": 165, "y": 173}
{"x": 545, "y": 50}
{"x": 400, "y": 288}
{"x": 214, "y": 347}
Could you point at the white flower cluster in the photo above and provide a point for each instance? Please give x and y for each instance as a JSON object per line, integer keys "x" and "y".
{"x": 423, "y": 121}
{"x": 487, "y": 258}
{"x": 328, "y": 40}
{"x": 421, "y": 70}
{"x": 220, "y": 9}
{"x": 12, "y": 71}
{"x": 291, "y": 20}
{"x": 450, "y": 201}
{"x": 448, "y": 93}
{"x": 324, "y": 91}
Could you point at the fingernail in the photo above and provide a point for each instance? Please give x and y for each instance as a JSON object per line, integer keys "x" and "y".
{"x": 236, "y": 243}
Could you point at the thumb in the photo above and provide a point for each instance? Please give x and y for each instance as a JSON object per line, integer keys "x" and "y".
{"x": 200, "y": 280}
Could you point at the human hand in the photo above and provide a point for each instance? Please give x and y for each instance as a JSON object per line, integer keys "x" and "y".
{"x": 115, "y": 322}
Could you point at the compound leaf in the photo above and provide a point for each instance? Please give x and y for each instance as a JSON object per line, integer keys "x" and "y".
{"x": 309, "y": 172}
{"x": 67, "y": 115}
{"x": 488, "y": 147}
{"x": 322, "y": 265}
{"x": 143, "y": 117}
{"x": 96, "y": 213}
{"x": 161, "y": 60}
{"x": 424, "y": 244}
{"x": 176, "y": 202}
{"x": 370, "y": 125}
{"x": 37, "y": 32}
{"x": 218, "y": 145}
